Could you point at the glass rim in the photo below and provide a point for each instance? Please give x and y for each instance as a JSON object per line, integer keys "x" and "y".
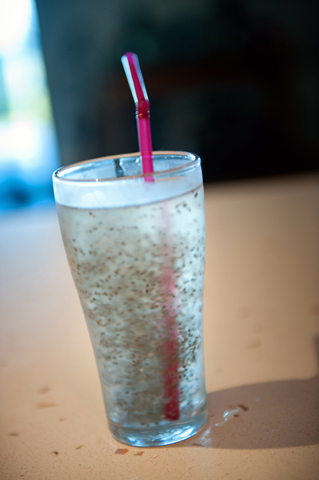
{"x": 195, "y": 158}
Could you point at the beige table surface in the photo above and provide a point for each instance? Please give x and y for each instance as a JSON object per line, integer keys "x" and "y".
{"x": 261, "y": 349}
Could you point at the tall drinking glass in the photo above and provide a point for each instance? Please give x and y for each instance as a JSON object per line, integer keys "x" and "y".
{"x": 136, "y": 250}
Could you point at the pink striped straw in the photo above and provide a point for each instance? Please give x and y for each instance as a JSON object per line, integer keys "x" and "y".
{"x": 135, "y": 79}
{"x": 170, "y": 346}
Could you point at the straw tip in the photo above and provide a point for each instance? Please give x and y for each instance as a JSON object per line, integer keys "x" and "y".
{"x": 128, "y": 55}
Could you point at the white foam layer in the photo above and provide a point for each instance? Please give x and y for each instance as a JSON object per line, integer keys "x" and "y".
{"x": 126, "y": 192}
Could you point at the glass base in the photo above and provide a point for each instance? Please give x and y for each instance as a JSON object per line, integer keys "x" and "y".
{"x": 156, "y": 436}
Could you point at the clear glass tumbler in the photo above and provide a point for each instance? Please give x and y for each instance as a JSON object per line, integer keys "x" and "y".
{"x": 136, "y": 250}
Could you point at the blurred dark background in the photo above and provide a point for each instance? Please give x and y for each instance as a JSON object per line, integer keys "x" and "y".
{"x": 235, "y": 81}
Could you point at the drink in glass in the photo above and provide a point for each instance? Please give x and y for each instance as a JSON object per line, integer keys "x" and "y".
{"x": 136, "y": 250}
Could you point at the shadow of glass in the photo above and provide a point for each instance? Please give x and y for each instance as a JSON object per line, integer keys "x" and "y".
{"x": 264, "y": 415}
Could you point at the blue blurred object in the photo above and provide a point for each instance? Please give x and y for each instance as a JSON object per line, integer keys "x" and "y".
{"x": 28, "y": 146}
